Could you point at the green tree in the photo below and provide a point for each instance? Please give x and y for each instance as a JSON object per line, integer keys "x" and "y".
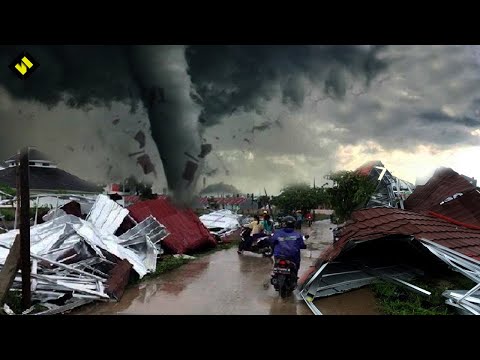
{"x": 300, "y": 197}
{"x": 349, "y": 192}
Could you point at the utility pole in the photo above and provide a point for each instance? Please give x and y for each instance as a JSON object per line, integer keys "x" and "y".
{"x": 24, "y": 192}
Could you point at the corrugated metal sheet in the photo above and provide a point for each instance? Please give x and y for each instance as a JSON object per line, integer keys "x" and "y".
{"x": 187, "y": 232}
{"x": 106, "y": 214}
{"x": 370, "y": 224}
{"x": 149, "y": 227}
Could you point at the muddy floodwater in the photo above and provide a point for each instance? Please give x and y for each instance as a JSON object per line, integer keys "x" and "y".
{"x": 226, "y": 283}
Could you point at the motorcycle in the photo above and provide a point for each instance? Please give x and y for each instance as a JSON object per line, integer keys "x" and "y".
{"x": 284, "y": 276}
{"x": 261, "y": 246}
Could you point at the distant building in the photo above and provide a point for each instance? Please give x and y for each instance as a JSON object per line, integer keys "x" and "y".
{"x": 47, "y": 179}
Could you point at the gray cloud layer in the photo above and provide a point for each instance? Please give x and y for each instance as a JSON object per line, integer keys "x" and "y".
{"x": 294, "y": 105}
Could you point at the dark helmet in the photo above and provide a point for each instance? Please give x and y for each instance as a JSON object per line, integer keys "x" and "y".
{"x": 289, "y": 221}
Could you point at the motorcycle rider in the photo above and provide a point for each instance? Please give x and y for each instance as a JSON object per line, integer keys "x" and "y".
{"x": 257, "y": 231}
{"x": 287, "y": 242}
{"x": 309, "y": 218}
{"x": 299, "y": 219}
{"x": 267, "y": 224}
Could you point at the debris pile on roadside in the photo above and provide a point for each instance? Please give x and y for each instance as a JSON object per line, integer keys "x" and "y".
{"x": 75, "y": 261}
{"x": 440, "y": 230}
{"x": 224, "y": 225}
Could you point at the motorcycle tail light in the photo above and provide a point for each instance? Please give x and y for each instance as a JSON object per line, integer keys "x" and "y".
{"x": 282, "y": 262}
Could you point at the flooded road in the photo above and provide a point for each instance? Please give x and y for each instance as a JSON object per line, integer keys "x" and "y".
{"x": 223, "y": 283}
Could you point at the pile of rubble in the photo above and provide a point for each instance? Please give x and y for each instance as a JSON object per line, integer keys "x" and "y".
{"x": 223, "y": 224}
{"x": 76, "y": 261}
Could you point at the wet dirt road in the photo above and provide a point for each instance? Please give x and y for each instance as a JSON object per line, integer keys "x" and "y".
{"x": 221, "y": 283}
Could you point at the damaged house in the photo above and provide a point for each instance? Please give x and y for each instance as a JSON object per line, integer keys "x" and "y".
{"x": 439, "y": 230}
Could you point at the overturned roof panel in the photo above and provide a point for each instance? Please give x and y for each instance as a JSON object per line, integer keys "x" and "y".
{"x": 376, "y": 223}
{"x": 187, "y": 232}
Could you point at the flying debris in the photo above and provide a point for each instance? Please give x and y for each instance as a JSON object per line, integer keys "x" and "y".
{"x": 202, "y": 120}
{"x": 191, "y": 156}
{"x": 205, "y": 150}
{"x": 146, "y": 164}
{"x": 115, "y": 121}
{"x": 216, "y": 137}
{"x": 190, "y": 170}
{"x": 234, "y": 136}
{"x": 136, "y": 153}
{"x": 70, "y": 148}
{"x": 246, "y": 140}
{"x": 140, "y": 137}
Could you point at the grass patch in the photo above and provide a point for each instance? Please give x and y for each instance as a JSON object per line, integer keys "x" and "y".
{"x": 219, "y": 247}
{"x": 168, "y": 263}
{"x": 14, "y": 300}
{"x": 397, "y": 300}
{"x": 9, "y": 213}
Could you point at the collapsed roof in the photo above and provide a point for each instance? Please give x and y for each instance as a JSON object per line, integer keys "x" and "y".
{"x": 389, "y": 189}
{"x": 377, "y": 223}
{"x": 449, "y": 194}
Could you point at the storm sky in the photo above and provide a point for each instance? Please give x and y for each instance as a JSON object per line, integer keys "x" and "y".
{"x": 274, "y": 114}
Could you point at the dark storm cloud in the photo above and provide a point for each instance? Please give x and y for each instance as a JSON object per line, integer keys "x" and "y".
{"x": 433, "y": 117}
{"x": 90, "y": 75}
{"x": 230, "y": 78}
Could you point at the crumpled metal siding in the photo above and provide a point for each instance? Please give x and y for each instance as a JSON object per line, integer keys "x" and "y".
{"x": 149, "y": 227}
{"x": 106, "y": 214}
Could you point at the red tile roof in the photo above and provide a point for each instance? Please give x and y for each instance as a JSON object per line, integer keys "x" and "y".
{"x": 443, "y": 184}
{"x": 376, "y": 223}
{"x": 225, "y": 201}
{"x": 187, "y": 232}
{"x": 131, "y": 199}
{"x": 366, "y": 168}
